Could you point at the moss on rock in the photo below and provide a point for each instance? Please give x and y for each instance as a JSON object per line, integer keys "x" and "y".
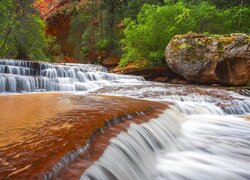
{"x": 220, "y": 59}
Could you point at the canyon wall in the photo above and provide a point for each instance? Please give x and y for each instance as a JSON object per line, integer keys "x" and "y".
{"x": 57, "y": 14}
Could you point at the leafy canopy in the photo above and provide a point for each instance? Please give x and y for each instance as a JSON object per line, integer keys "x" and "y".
{"x": 22, "y": 32}
{"x": 146, "y": 37}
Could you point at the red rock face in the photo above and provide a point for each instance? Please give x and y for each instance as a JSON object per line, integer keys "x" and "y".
{"x": 58, "y": 23}
{"x": 48, "y": 6}
{"x": 57, "y": 14}
{"x": 59, "y": 26}
{"x": 112, "y": 61}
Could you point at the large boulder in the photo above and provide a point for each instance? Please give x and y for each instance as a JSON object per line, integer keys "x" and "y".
{"x": 211, "y": 59}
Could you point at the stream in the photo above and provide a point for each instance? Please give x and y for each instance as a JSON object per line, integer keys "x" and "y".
{"x": 75, "y": 121}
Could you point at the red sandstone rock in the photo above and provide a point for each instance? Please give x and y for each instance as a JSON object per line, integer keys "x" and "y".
{"x": 57, "y": 14}
{"x": 59, "y": 26}
{"x": 222, "y": 59}
{"x": 179, "y": 81}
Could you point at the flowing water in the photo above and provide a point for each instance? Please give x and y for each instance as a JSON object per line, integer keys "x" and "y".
{"x": 37, "y": 130}
{"x": 177, "y": 146}
{"x": 142, "y": 130}
{"x": 27, "y": 76}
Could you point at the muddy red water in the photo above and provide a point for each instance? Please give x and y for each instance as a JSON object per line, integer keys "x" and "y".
{"x": 37, "y": 130}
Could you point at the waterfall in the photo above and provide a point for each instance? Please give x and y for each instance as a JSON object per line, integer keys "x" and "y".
{"x": 27, "y": 76}
{"x": 232, "y": 106}
{"x": 186, "y": 96}
{"x": 188, "y": 141}
{"x": 203, "y": 134}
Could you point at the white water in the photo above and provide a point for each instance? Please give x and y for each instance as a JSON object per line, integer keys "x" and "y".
{"x": 196, "y": 138}
{"x": 26, "y": 76}
{"x": 196, "y": 143}
{"x": 185, "y": 96}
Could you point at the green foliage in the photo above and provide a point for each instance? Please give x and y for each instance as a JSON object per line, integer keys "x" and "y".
{"x": 239, "y": 19}
{"x": 22, "y": 32}
{"x": 102, "y": 44}
{"x": 79, "y": 22}
{"x": 149, "y": 26}
{"x": 85, "y": 31}
{"x": 131, "y": 55}
{"x": 222, "y": 4}
{"x": 186, "y": 46}
{"x": 105, "y": 33}
{"x": 147, "y": 36}
{"x": 154, "y": 27}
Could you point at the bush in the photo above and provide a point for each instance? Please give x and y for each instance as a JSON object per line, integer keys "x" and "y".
{"x": 102, "y": 44}
{"x": 147, "y": 36}
{"x": 22, "y": 32}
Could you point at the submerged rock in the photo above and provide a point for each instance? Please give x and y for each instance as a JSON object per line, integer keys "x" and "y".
{"x": 218, "y": 59}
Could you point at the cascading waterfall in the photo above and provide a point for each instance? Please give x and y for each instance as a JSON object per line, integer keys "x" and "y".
{"x": 200, "y": 136}
{"x": 229, "y": 101}
{"x": 27, "y": 76}
{"x": 188, "y": 141}
{"x": 236, "y": 106}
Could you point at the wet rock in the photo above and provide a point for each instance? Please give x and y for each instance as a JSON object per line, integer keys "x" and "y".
{"x": 149, "y": 73}
{"x": 245, "y": 92}
{"x": 161, "y": 79}
{"x": 180, "y": 81}
{"x": 219, "y": 59}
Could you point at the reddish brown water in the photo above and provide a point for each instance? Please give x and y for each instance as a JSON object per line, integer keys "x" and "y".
{"x": 37, "y": 130}
{"x": 22, "y": 112}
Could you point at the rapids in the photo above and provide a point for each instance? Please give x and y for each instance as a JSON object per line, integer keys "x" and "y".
{"x": 111, "y": 126}
{"x": 178, "y": 146}
{"x": 27, "y": 76}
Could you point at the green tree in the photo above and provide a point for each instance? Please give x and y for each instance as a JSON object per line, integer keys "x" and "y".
{"x": 85, "y": 29}
{"x": 22, "y": 32}
{"x": 99, "y": 25}
{"x": 147, "y": 36}
{"x": 222, "y": 4}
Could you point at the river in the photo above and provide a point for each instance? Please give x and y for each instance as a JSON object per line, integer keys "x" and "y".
{"x": 72, "y": 121}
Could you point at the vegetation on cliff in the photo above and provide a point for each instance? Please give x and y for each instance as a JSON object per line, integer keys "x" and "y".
{"x": 22, "y": 31}
{"x": 135, "y": 30}
{"x": 98, "y": 26}
{"x": 140, "y": 30}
